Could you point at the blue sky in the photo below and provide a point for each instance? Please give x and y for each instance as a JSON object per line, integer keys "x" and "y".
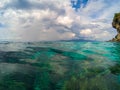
{"x": 49, "y": 20}
{"x": 78, "y": 4}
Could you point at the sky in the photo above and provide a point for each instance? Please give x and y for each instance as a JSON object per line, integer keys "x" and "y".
{"x": 51, "y": 20}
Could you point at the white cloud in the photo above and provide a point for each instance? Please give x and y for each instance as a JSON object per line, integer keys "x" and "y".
{"x": 86, "y": 32}
{"x": 3, "y": 2}
{"x": 104, "y": 36}
{"x": 65, "y": 20}
{"x": 94, "y": 6}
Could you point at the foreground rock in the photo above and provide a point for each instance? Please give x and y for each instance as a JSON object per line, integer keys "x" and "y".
{"x": 116, "y": 25}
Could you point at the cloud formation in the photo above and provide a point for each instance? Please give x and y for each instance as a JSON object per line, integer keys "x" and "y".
{"x": 49, "y": 20}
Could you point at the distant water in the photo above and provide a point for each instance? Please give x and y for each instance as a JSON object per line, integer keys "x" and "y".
{"x": 60, "y": 66}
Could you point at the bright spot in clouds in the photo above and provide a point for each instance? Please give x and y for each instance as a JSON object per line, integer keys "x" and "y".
{"x": 64, "y": 20}
{"x": 86, "y": 32}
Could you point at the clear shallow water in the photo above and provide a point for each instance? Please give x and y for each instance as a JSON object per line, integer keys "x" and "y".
{"x": 60, "y": 66}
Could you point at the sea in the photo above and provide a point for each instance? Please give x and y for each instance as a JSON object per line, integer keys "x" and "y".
{"x": 60, "y": 65}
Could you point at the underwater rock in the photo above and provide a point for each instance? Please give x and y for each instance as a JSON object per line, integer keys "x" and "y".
{"x": 116, "y": 25}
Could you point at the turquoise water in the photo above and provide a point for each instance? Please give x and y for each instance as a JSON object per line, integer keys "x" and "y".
{"x": 60, "y": 66}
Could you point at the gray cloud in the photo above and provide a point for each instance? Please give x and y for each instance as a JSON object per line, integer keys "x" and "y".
{"x": 27, "y": 5}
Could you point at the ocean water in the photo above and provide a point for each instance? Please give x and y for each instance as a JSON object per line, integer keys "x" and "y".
{"x": 60, "y": 66}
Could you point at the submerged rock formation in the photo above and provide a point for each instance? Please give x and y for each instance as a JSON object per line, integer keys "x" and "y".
{"x": 116, "y": 25}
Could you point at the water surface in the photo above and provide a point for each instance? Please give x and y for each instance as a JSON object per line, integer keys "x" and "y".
{"x": 60, "y": 66}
